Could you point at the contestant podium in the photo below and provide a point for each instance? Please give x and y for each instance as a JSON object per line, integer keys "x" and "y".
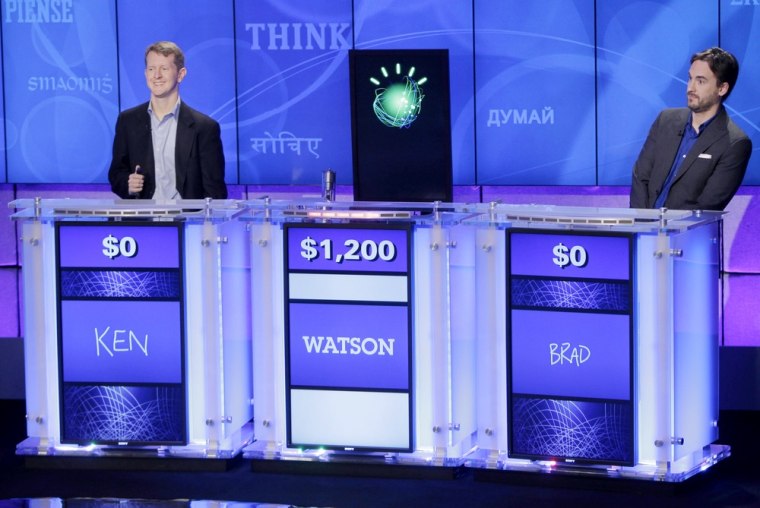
{"x": 353, "y": 356}
{"x": 530, "y": 338}
{"x": 544, "y": 339}
{"x": 137, "y": 341}
{"x": 639, "y": 287}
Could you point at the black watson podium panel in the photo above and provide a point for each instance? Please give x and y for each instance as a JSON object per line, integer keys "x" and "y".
{"x": 401, "y": 125}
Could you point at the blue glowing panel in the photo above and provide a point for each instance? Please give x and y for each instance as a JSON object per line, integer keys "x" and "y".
{"x": 9, "y": 241}
{"x": 123, "y": 414}
{"x": 294, "y": 118}
{"x": 421, "y": 24}
{"x": 204, "y": 31}
{"x": 570, "y": 256}
{"x": 741, "y": 326}
{"x": 61, "y": 91}
{"x": 349, "y": 346}
{"x": 9, "y": 302}
{"x": 568, "y": 294}
{"x": 696, "y": 329}
{"x": 6, "y": 139}
{"x": 643, "y": 63}
{"x": 536, "y": 120}
{"x": 121, "y": 341}
{"x": 578, "y": 429}
{"x": 741, "y": 233}
{"x": 348, "y": 327}
{"x": 99, "y": 245}
{"x": 570, "y": 361}
{"x": 568, "y": 354}
{"x": 121, "y": 332}
{"x": 124, "y": 284}
{"x": 740, "y": 34}
{"x": 348, "y": 250}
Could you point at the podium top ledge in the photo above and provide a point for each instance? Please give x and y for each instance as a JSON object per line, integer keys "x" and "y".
{"x": 493, "y": 214}
{"x": 125, "y": 209}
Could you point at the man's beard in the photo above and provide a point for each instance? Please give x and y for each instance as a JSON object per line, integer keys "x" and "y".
{"x": 701, "y": 105}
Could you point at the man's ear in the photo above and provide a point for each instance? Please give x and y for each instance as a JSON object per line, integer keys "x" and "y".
{"x": 723, "y": 89}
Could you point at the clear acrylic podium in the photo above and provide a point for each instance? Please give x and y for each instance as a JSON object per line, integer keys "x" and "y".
{"x": 674, "y": 350}
{"x": 464, "y": 327}
{"x": 437, "y": 425}
{"x": 424, "y": 334}
{"x": 182, "y": 281}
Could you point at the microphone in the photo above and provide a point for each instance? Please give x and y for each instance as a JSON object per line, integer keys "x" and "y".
{"x": 328, "y": 185}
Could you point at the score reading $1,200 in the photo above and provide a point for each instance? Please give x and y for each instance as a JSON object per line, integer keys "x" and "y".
{"x": 355, "y": 250}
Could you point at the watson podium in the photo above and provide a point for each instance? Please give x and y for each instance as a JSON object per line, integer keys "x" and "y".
{"x": 491, "y": 336}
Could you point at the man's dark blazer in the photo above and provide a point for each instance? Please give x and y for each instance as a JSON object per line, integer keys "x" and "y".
{"x": 199, "y": 158}
{"x": 710, "y": 174}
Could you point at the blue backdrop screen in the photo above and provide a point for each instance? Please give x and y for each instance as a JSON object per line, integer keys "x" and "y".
{"x": 639, "y": 73}
{"x": 535, "y": 92}
{"x": 293, "y": 90}
{"x": 558, "y": 92}
{"x": 61, "y": 90}
{"x": 740, "y": 34}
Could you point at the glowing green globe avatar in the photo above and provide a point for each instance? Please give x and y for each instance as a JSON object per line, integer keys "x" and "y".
{"x": 399, "y": 104}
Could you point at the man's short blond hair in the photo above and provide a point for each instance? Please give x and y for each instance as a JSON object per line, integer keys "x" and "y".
{"x": 167, "y": 48}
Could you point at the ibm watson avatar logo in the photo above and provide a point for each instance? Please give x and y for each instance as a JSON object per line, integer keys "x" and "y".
{"x": 398, "y": 98}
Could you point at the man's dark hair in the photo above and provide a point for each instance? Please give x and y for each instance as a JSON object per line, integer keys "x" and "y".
{"x": 723, "y": 64}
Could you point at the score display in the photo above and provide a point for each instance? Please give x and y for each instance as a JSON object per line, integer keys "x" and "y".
{"x": 121, "y": 333}
{"x": 570, "y": 347}
{"x": 348, "y": 336}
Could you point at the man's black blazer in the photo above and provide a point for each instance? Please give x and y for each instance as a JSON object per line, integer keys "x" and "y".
{"x": 199, "y": 157}
{"x": 710, "y": 174}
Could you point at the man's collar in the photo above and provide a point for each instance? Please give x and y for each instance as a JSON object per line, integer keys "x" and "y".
{"x": 704, "y": 124}
{"x": 174, "y": 111}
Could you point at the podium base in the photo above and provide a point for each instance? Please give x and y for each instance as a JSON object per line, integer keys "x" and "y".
{"x": 485, "y": 467}
{"x": 44, "y": 454}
